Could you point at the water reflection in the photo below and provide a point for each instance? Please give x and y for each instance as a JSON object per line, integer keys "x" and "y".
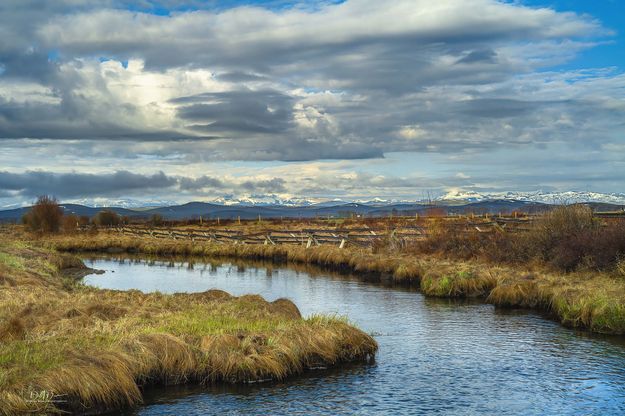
{"x": 436, "y": 355}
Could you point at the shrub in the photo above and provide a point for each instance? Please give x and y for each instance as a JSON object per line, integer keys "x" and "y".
{"x": 435, "y": 212}
{"x": 570, "y": 238}
{"x": 156, "y": 220}
{"x": 70, "y": 223}
{"x": 566, "y": 238}
{"x": 44, "y": 216}
{"x": 107, "y": 218}
{"x": 608, "y": 247}
{"x": 559, "y": 226}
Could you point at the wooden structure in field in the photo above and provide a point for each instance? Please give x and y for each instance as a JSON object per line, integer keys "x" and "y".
{"x": 357, "y": 236}
{"x": 363, "y": 237}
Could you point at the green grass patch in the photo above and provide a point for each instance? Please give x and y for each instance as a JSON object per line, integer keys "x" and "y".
{"x": 96, "y": 347}
{"x": 12, "y": 262}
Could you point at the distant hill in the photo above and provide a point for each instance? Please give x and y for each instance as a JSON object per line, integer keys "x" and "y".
{"x": 14, "y": 215}
{"x": 205, "y": 210}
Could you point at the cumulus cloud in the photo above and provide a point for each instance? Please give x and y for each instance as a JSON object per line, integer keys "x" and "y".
{"x": 72, "y": 185}
{"x": 34, "y": 183}
{"x": 324, "y": 80}
{"x": 235, "y": 113}
{"x": 210, "y": 183}
{"x": 260, "y": 76}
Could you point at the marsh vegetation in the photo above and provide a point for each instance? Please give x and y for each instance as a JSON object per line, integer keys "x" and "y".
{"x": 72, "y": 346}
{"x": 461, "y": 355}
{"x": 66, "y": 346}
{"x": 568, "y": 264}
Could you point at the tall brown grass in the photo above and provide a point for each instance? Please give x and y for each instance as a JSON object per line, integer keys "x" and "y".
{"x": 584, "y": 299}
{"x": 567, "y": 238}
{"x": 75, "y": 348}
{"x": 70, "y": 223}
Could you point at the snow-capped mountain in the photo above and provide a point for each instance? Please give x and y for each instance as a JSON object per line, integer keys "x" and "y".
{"x": 260, "y": 200}
{"x": 452, "y": 197}
{"x": 566, "y": 197}
{"x": 464, "y": 196}
{"x": 122, "y": 203}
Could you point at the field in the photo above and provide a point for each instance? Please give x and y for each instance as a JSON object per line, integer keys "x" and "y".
{"x": 67, "y": 347}
{"x": 587, "y": 300}
{"x": 569, "y": 263}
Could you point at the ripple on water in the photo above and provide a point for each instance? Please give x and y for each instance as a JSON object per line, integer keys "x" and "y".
{"x": 436, "y": 356}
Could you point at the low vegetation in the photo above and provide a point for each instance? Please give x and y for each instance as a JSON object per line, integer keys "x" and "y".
{"x": 107, "y": 218}
{"x": 586, "y": 298}
{"x": 71, "y": 346}
{"x": 566, "y": 239}
{"x": 45, "y": 216}
{"x": 67, "y": 347}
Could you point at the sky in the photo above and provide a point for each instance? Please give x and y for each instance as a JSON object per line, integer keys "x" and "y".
{"x": 159, "y": 101}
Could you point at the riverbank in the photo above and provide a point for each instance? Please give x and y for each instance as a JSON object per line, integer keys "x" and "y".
{"x": 66, "y": 346}
{"x": 592, "y": 301}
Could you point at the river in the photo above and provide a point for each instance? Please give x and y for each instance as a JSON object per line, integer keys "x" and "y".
{"x": 435, "y": 357}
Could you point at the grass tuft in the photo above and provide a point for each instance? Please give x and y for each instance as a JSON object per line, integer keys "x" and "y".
{"x": 75, "y": 348}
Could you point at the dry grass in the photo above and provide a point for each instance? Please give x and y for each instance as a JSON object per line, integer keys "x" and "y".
{"x": 585, "y": 299}
{"x": 93, "y": 346}
{"x": 68, "y": 347}
{"x": 565, "y": 239}
{"x": 269, "y": 224}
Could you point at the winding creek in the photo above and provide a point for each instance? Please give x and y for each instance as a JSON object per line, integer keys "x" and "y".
{"x": 436, "y": 356}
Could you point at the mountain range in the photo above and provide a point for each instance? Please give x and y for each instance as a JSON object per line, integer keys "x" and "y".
{"x": 567, "y": 197}
{"x": 330, "y": 209}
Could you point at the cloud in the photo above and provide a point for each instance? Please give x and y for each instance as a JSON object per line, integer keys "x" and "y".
{"x": 72, "y": 185}
{"x": 110, "y": 84}
{"x": 401, "y": 176}
{"x": 201, "y": 183}
{"x": 274, "y": 185}
{"x": 210, "y": 183}
{"x": 34, "y": 183}
{"x": 267, "y": 84}
{"x": 273, "y": 41}
{"x": 499, "y": 107}
{"x": 236, "y": 113}
{"x": 488, "y": 56}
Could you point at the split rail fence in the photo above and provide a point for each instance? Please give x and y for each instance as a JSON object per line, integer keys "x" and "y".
{"x": 363, "y": 237}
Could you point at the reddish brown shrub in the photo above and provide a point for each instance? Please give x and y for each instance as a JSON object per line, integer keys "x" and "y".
{"x": 107, "y": 218}
{"x": 44, "y": 216}
{"x": 567, "y": 238}
{"x": 70, "y": 223}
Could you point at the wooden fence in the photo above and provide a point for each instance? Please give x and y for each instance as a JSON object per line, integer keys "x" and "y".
{"x": 359, "y": 237}
{"x": 362, "y": 237}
